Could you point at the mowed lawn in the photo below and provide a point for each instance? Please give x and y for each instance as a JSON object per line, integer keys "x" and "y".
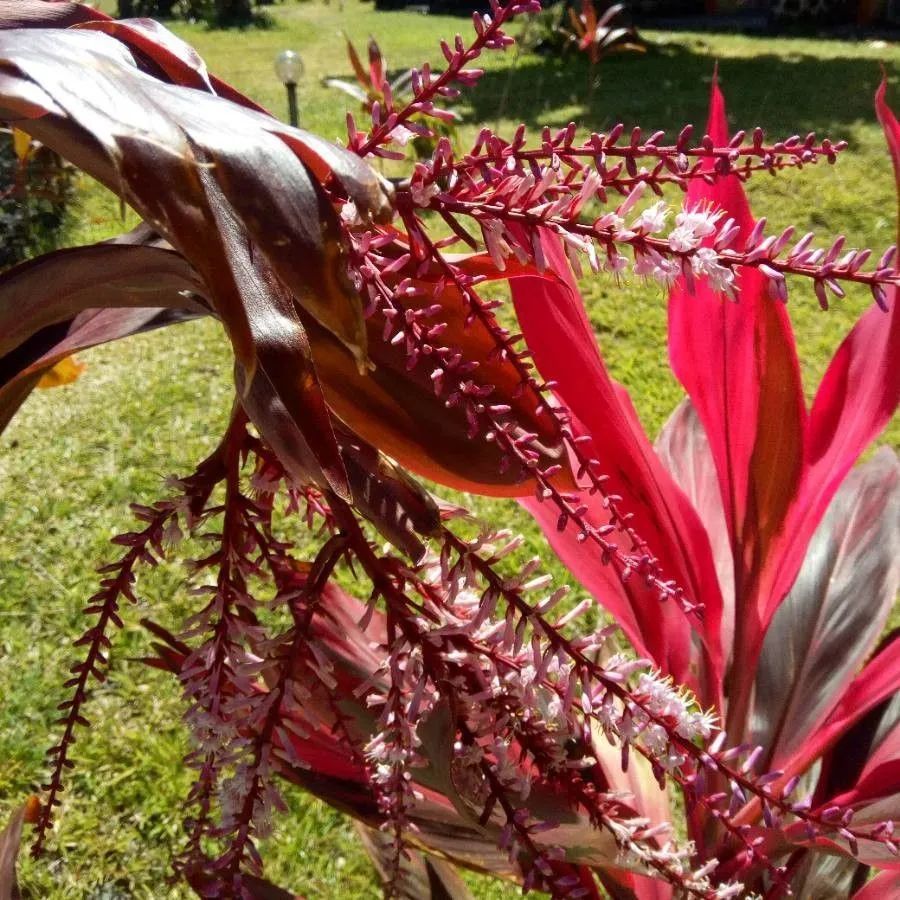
{"x": 75, "y": 457}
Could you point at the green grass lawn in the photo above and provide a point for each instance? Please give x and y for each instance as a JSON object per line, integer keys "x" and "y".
{"x": 75, "y": 457}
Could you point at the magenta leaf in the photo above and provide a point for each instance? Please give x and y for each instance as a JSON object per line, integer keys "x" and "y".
{"x": 556, "y": 329}
{"x": 877, "y": 682}
{"x": 621, "y": 885}
{"x": 738, "y": 363}
{"x": 885, "y": 884}
{"x": 683, "y": 449}
{"x": 872, "y": 739}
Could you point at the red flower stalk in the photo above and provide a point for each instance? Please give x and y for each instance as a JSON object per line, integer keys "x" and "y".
{"x": 457, "y": 710}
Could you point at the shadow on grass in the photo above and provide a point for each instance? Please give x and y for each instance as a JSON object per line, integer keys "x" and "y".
{"x": 669, "y": 87}
{"x": 259, "y": 21}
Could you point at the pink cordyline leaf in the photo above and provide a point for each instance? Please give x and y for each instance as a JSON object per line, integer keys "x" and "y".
{"x": 683, "y": 449}
{"x": 862, "y": 769}
{"x": 822, "y": 632}
{"x": 742, "y": 450}
{"x": 877, "y": 682}
{"x": 886, "y": 884}
{"x": 361, "y": 75}
{"x": 622, "y": 885}
{"x": 872, "y": 740}
{"x": 885, "y": 743}
{"x": 875, "y": 853}
{"x": 738, "y": 363}
{"x": 556, "y": 329}
{"x": 376, "y": 66}
{"x": 777, "y": 467}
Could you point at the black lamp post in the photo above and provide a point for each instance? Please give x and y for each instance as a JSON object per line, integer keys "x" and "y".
{"x": 289, "y": 69}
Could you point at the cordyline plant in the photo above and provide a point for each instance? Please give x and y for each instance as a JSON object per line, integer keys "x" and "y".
{"x": 597, "y": 35}
{"x": 453, "y": 706}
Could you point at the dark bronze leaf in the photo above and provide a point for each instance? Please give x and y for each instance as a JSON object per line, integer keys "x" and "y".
{"x": 398, "y": 506}
{"x": 395, "y": 407}
{"x": 424, "y": 877}
{"x": 10, "y": 840}
{"x": 48, "y": 306}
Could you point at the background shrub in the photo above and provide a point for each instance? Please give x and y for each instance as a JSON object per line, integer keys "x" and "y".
{"x": 34, "y": 200}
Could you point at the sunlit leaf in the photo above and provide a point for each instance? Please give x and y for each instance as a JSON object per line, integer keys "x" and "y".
{"x": 683, "y": 449}
{"x": 21, "y": 144}
{"x": 66, "y": 371}
{"x": 738, "y": 363}
{"x": 398, "y": 410}
{"x": 552, "y": 317}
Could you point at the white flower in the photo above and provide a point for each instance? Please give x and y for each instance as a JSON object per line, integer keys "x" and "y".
{"x": 700, "y": 220}
{"x": 422, "y": 194}
{"x": 350, "y": 214}
{"x": 653, "y": 219}
{"x": 705, "y": 262}
{"x": 497, "y": 246}
{"x": 683, "y": 239}
{"x": 610, "y": 220}
{"x": 691, "y": 226}
{"x": 402, "y": 135}
{"x": 616, "y": 263}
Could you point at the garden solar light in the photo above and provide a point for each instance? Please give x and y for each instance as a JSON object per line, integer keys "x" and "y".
{"x": 289, "y": 68}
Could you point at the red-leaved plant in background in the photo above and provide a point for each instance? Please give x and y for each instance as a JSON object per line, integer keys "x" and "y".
{"x": 598, "y": 35}
{"x": 375, "y": 90}
{"x": 454, "y": 707}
